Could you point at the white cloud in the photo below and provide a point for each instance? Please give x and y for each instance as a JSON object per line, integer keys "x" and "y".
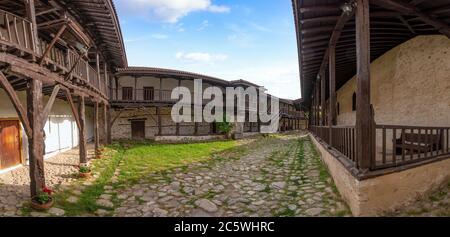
{"x": 147, "y": 37}
{"x": 201, "y": 57}
{"x": 205, "y": 24}
{"x": 169, "y": 10}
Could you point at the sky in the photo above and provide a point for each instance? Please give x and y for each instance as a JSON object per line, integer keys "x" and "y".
{"x": 252, "y": 40}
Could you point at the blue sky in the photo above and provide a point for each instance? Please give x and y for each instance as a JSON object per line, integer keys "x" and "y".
{"x": 230, "y": 39}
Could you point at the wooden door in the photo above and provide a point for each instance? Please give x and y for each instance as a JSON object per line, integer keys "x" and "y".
{"x": 138, "y": 130}
{"x": 10, "y": 154}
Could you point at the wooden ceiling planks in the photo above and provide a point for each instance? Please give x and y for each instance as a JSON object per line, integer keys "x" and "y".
{"x": 392, "y": 23}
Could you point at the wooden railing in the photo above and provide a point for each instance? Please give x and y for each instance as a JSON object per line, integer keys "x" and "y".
{"x": 394, "y": 145}
{"x": 17, "y": 32}
{"x": 402, "y": 145}
{"x": 141, "y": 95}
{"x": 293, "y": 113}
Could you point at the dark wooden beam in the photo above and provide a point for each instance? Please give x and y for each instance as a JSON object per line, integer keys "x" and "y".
{"x": 50, "y": 103}
{"x": 332, "y": 78}
{"x": 105, "y": 124}
{"x": 408, "y": 8}
{"x": 36, "y": 140}
{"x": 363, "y": 106}
{"x": 96, "y": 130}
{"x": 345, "y": 17}
{"x": 158, "y": 114}
{"x": 31, "y": 16}
{"x": 322, "y": 97}
{"x": 109, "y": 127}
{"x": 82, "y": 130}
{"x": 116, "y": 117}
{"x": 407, "y": 24}
{"x": 21, "y": 112}
{"x": 72, "y": 107}
{"x": 52, "y": 43}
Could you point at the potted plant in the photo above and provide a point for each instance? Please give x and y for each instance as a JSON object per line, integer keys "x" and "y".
{"x": 42, "y": 201}
{"x": 85, "y": 172}
{"x": 225, "y": 127}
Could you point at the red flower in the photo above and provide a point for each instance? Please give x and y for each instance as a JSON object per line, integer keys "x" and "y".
{"x": 47, "y": 190}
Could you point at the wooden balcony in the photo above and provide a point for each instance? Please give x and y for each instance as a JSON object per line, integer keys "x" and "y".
{"x": 137, "y": 96}
{"x": 16, "y": 37}
{"x": 395, "y": 146}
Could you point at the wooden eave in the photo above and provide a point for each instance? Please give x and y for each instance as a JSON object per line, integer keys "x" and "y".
{"x": 392, "y": 23}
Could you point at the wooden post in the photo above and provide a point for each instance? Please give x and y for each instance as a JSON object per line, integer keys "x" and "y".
{"x": 135, "y": 88}
{"x": 363, "y": 108}
{"x": 82, "y": 130}
{"x": 36, "y": 142}
{"x": 332, "y": 104}
{"x": 317, "y": 103}
{"x": 109, "y": 124}
{"x": 158, "y": 114}
{"x": 160, "y": 89}
{"x": 96, "y": 130}
{"x": 105, "y": 124}
{"x": 31, "y": 16}
{"x": 97, "y": 64}
{"x": 322, "y": 98}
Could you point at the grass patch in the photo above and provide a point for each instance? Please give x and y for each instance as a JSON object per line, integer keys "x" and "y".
{"x": 144, "y": 158}
{"x": 87, "y": 200}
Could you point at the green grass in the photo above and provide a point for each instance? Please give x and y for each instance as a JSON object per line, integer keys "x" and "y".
{"x": 142, "y": 159}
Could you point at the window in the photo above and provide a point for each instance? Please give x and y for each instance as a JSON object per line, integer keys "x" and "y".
{"x": 149, "y": 93}
{"x": 354, "y": 102}
{"x": 127, "y": 93}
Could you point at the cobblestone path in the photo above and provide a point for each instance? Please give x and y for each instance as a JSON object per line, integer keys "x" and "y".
{"x": 280, "y": 176}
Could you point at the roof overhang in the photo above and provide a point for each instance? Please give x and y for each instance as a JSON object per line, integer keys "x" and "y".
{"x": 319, "y": 22}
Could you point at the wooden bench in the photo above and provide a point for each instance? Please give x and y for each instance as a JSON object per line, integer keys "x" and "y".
{"x": 418, "y": 143}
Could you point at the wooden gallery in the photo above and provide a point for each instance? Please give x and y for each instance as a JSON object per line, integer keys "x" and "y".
{"x": 65, "y": 82}
{"x": 375, "y": 75}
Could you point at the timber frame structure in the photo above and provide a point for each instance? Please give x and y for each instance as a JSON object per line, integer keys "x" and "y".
{"x": 66, "y": 50}
{"x": 339, "y": 39}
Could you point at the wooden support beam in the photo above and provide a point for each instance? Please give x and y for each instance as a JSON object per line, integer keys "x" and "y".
{"x": 73, "y": 67}
{"x": 322, "y": 97}
{"x": 332, "y": 87}
{"x": 72, "y": 107}
{"x": 407, "y": 24}
{"x": 50, "y": 103}
{"x": 82, "y": 130}
{"x": 96, "y": 129}
{"x": 363, "y": 108}
{"x": 411, "y": 9}
{"x": 105, "y": 124}
{"x": 116, "y": 117}
{"x": 109, "y": 126}
{"x": 343, "y": 19}
{"x": 36, "y": 140}
{"x": 52, "y": 43}
{"x": 21, "y": 112}
{"x": 158, "y": 114}
{"x": 31, "y": 16}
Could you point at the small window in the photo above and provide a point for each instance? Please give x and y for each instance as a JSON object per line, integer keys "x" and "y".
{"x": 127, "y": 93}
{"x": 149, "y": 93}
{"x": 354, "y": 102}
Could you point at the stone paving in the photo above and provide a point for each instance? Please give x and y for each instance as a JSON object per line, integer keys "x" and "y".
{"x": 14, "y": 185}
{"x": 278, "y": 177}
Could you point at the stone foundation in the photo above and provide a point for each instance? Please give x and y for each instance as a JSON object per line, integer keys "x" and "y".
{"x": 375, "y": 196}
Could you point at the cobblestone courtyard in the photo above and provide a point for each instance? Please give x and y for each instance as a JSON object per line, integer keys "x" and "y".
{"x": 279, "y": 175}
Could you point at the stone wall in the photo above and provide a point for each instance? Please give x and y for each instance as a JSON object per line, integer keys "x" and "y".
{"x": 410, "y": 85}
